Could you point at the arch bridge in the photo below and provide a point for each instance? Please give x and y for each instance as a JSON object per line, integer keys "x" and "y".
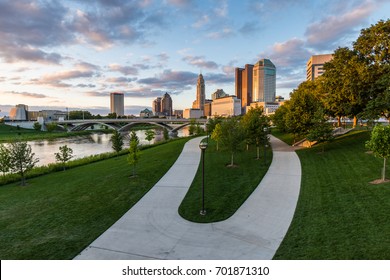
{"x": 122, "y": 125}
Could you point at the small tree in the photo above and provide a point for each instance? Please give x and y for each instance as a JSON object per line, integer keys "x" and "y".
{"x": 166, "y": 134}
{"x": 217, "y": 134}
{"x": 5, "y": 159}
{"x": 256, "y": 126}
{"x": 133, "y": 156}
{"x": 321, "y": 130}
{"x": 117, "y": 141}
{"x": 192, "y": 127}
{"x": 64, "y": 155}
{"x": 22, "y": 159}
{"x": 232, "y": 136}
{"x": 37, "y": 126}
{"x": 379, "y": 144}
{"x": 149, "y": 135}
{"x": 51, "y": 126}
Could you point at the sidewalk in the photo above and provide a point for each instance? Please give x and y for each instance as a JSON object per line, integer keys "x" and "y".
{"x": 153, "y": 229}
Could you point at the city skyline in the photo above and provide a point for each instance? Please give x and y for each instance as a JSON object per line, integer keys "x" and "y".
{"x": 58, "y": 55}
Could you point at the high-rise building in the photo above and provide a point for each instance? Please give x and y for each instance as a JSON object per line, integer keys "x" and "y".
{"x": 244, "y": 85}
{"x": 200, "y": 94}
{"x": 315, "y": 65}
{"x": 264, "y": 81}
{"x": 156, "y": 106}
{"x": 166, "y": 105}
{"x": 117, "y": 103}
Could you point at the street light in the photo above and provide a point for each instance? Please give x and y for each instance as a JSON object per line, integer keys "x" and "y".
{"x": 203, "y": 147}
{"x": 265, "y": 145}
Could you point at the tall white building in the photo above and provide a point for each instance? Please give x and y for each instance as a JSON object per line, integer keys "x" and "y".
{"x": 117, "y": 103}
{"x": 264, "y": 81}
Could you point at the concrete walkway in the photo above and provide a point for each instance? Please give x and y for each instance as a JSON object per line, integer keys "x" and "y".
{"x": 153, "y": 229}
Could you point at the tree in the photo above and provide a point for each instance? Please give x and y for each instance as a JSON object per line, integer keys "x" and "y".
{"x": 256, "y": 125}
{"x": 166, "y": 134}
{"x": 321, "y": 130}
{"x": 149, "y": 135}
{"x": 37, "y": 126}
{"x": 279, "y": 118}
{"x": 217, "y": 134}
{"x": 346, "y": 91}
{"x": 5, "y": 159}
{"x": 379, "y": 144}
{"x": 232, "y": 136}
{"x": 80, "y": 115}
{"x": 134, "y": 153}
{"x": 64, "y": 155}
{"x": 51, "y": 126}
{"x": 211, "y": 124}
{"x": 112, "y": 116}
{"x": 22, "y": 159}
{"x": 192, "y": 127}
{"x": 117, "y": 141}
{"x": 303, "y": 105}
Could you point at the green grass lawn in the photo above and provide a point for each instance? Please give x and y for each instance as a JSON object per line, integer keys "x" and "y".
{"x": 58, "y": 215}
{"x": 226, "y": 188}
{"x": 287, "y": 138}
{"x": 340, "y": 215}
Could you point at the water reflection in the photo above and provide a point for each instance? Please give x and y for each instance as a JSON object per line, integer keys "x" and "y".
{"x": 93, "y": 144}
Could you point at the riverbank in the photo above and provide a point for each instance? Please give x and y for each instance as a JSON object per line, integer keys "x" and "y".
{"x": 11, "y": 133}
{"x": 59, "y": 214}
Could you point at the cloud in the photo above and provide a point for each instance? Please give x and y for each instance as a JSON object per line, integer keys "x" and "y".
{"x": 80, "y": 70}
{"x": 216, "y": 78}
{"x": 171, "y": 81}
{"x": 199, "y": 61}
{"x": 27, "y": 94}
{"x": 331, "y": 29}
{"x": 126, "y": 70}
{"x": 202, "y": 21}
{"x": 222, "y": 10}
{"x": 224, "y": 33}
{"x": 163, "y": 57}
{"x": 250, "y": 28}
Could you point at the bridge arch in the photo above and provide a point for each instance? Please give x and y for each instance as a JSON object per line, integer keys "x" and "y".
{"x": 84, "y": 126}
{"x": 127, "y": 126}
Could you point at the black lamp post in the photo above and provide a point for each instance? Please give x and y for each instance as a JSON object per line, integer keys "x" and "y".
{"x": 203, "y": 147}
{"x": 265, "y": 145}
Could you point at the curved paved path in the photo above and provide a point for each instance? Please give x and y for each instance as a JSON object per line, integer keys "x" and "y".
{"x": 153, "y": 229}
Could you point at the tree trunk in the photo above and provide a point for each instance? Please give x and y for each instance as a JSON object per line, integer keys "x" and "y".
{"x": 384, "y": 170}
{"x": 232, "y": 161}
{"x": 338, "y": 121}
{"x": 217, "y": 145}
{"x": 258, "y": 152}
{"x": 355, "y": 120}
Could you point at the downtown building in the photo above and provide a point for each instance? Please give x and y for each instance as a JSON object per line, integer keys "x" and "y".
{"x": 117, "y": 103}
{"x": 244, "y": 85}
{"x": 162, "y": 106}
{"x": 200, "y": 94}
{"x": 315, "y": 66}
{"x": 264, "y": 81}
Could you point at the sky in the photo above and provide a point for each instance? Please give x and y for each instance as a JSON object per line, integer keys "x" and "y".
{"x": 72, "y": 54}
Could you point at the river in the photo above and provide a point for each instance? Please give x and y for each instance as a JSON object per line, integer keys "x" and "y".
{"x": 84, "y": 146}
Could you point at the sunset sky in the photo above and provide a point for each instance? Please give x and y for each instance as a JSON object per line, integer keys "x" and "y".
{"x": 72, "y": 54}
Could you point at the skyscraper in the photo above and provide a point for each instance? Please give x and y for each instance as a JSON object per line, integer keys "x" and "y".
{"x": 117, "y": 104}
{"x": 264, "y": 81}
{"x": 244, "y": 81}
{"x": 200, "y": 94}
{"x": 157, "y": 105}
{"x": 166, "y": 105}
{"x": 315, "y": 65}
